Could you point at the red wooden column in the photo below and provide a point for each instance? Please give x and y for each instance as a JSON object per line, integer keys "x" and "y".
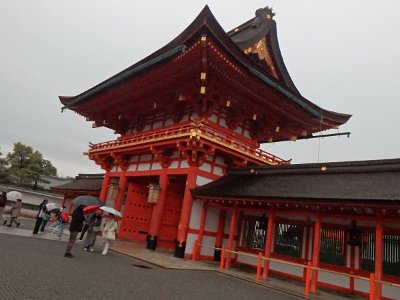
{"x": 220, "y": 234}
{"x": 105, "y": 186}
{"x": 316, "y": 250}
{"x": 122, "y": 187}
{"x": 268, "y": 242}
{"x": 157, "y": 213}
{"x": 378, "y": 255}
{"x": 185, "y": 215}
{"x": 197, "y": 249}
{"x": 231, "y": 237}
{"x": 64, "y": 199}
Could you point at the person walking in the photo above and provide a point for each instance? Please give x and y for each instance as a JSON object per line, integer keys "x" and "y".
{"x": 39, "y": 218}
{"x": 110, "y": 226}
{"x": 45, "y": 218}
{"x": 74, "y": 228}
{"x": 85, "y": 228}
{"x": 3, "y": 202}
{"x": 62, "y": 218}
{"x": 15, "y": 211}
{"x": 94, "y": 222}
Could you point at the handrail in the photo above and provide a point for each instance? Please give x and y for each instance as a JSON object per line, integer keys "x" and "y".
{"x": 371, "y": 279}
{"x": 188, "y": 130}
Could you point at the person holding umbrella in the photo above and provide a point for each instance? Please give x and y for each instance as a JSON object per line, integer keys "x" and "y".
{"x": 39, "y": 215}
{"x": 3, "y": 202}
{"x": 15, "y": 211}
{"x": 74, "y": 228}
{"x": 94, "y": 222}
{"x": 110, "y": 226}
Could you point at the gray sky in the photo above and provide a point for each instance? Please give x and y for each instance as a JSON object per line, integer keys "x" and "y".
{"x": 342, "y": 55}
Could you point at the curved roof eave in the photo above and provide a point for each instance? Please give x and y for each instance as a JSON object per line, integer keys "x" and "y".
{"x": 207, "y": 19}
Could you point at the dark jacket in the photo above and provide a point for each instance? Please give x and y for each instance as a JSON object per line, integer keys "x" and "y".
{"x": 3, "y": 200}
{"x": 41, "y": 205}
{"x": 77, "y": 220}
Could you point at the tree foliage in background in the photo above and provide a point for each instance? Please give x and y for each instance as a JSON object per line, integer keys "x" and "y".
{"x": 28, "y": 167}
{"x": 3, "y": 169}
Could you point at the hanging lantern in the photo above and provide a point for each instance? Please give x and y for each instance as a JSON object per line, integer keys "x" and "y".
{"x": 154, "y": 190}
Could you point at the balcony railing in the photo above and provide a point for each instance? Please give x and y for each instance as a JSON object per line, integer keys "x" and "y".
{"x": 190, "y": 131}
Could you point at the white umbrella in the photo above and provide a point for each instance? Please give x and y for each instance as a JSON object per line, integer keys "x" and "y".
{"x": 111, "y": 210}
{"x": 14, "y": 195}
{"x": 52, "y": 206}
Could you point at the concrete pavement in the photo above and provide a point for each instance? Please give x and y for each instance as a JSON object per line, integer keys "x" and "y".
{"x": 139, "y": 273}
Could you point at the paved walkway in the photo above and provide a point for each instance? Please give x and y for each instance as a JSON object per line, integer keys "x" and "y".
{"x": 165, "y": 260}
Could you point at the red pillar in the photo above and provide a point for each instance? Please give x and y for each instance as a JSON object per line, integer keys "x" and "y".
{"x": 122, "y": 187}
{"x": 316, "y": 250}
{"x": 64, "y": 199}
{"x": 185, "y": 215}
{"x": 157, "y": 213}
{"x": 378, "y": 256}
{"x": 104, "y": 187}
{"x": 196, "y": 250}
{"x": 268, "y": 242}
{"x": 220, "y": 234}
{"x": 231, "y": 237}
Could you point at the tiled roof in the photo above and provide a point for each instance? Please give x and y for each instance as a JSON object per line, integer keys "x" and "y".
{"x": 377, "y": 180}
{"x": 83, "y": 182}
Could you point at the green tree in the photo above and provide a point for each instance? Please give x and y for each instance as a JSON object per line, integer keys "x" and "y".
{"x": 3, "y": 169}
{"x": 27, "y": 167}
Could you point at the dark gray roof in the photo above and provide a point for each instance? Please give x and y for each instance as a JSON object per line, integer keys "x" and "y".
{"x": 82, "y": 182}
{"x": 377, "y": 180}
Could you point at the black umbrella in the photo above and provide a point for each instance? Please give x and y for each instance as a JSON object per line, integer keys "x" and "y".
{"x": 87, "y": 200}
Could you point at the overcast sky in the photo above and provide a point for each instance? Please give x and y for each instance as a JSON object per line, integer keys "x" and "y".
{"x": 342, "y": 55}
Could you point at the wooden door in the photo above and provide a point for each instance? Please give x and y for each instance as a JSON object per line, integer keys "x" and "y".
{"x": 137, "y": 213}
{"x": 170, "y": 221}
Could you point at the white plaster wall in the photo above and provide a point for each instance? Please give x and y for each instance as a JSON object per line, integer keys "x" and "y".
{"x": 213, "y": 118}
{"x": 191, "y": 238}
{"x": 132, "y": 167}
{"x": 361, "y": 285}
{"x": 289, "y": 269}
{"x": 202, "y": 180}
{"x": 184, "y": 164}
{"x": 156, "y": 166}
{"x": 206, "y": 167}
{"x": 218, "y": 171}
{"x": 195, "y": 215}
{"x": 336, "y": 279}
{"x": 185, "y": 118}
{"x": 174, "y": 164}
{"x": 222, "y": 122}
{"x": 246, "y": 259}
{"x": 212, "y": 220}
{"x": 143, "y": 167}
{"x": 209, "y": 241}
{"x": 348, "y": 254}
{"x": 246, "y": 133}
{"x": 391, "y": 292}
{"x": 238, "y": 130}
